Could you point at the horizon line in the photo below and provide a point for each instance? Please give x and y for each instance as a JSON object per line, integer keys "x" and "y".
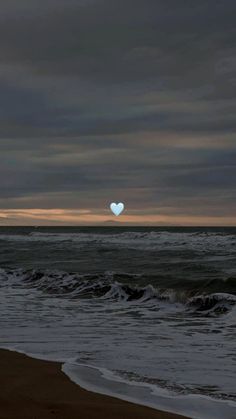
{"x": 119, "y": 225}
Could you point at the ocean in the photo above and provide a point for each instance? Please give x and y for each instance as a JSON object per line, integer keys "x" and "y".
{"x": 146, "y": 314}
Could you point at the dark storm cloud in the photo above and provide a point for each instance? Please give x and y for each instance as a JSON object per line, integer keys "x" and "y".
{"x": 96, "y": 97}
{"x": 111, "y": 41}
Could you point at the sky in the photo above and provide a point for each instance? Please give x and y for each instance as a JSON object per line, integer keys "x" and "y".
{"x": 124, "y": 101}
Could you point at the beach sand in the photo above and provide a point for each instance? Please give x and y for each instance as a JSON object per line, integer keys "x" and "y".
{"x": 35, "y": 389}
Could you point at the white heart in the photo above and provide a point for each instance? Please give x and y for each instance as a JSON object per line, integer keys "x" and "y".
{"x": 117, "y": 209}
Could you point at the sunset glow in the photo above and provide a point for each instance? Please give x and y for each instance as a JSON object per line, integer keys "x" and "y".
{"x": 86, "y": 217}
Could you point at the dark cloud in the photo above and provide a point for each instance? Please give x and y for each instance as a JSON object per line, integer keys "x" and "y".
{"x": 102, "y": 98}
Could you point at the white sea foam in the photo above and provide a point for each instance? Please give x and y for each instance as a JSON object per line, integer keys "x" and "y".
{"x": 102, "y": 381}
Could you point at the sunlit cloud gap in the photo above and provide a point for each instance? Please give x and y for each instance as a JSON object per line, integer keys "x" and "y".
{"x": 87, "y": 217}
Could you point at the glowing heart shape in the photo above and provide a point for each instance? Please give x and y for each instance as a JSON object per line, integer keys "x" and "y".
{"x": 117, "y": 209}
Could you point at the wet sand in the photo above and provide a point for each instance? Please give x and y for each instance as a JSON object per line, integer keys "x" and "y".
{"x": 35, "y": 389}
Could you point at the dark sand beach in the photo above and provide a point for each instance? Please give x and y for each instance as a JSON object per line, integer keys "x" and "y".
{"x": 35, "y": 389}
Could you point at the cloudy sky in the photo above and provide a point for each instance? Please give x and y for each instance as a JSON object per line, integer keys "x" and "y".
{"x": 107, "y": 100}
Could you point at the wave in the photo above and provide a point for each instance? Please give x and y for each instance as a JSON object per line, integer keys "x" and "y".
{"x": 146, "y": 240}
{"x": 108, "y": 286}
{"x": 218, "y": 303}
{"x": 212, "y": 303}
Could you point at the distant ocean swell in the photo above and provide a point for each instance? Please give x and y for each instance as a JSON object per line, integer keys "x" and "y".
{"x": 202, "y": 241}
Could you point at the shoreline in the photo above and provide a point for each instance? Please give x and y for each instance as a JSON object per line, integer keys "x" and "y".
{"x": 38, "y": 389}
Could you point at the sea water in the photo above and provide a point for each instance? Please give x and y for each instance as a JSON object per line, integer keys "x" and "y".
{"x": 146, "y": 314}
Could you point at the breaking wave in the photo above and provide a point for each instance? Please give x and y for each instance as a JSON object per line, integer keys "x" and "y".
{"x": 124, "y": 287}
